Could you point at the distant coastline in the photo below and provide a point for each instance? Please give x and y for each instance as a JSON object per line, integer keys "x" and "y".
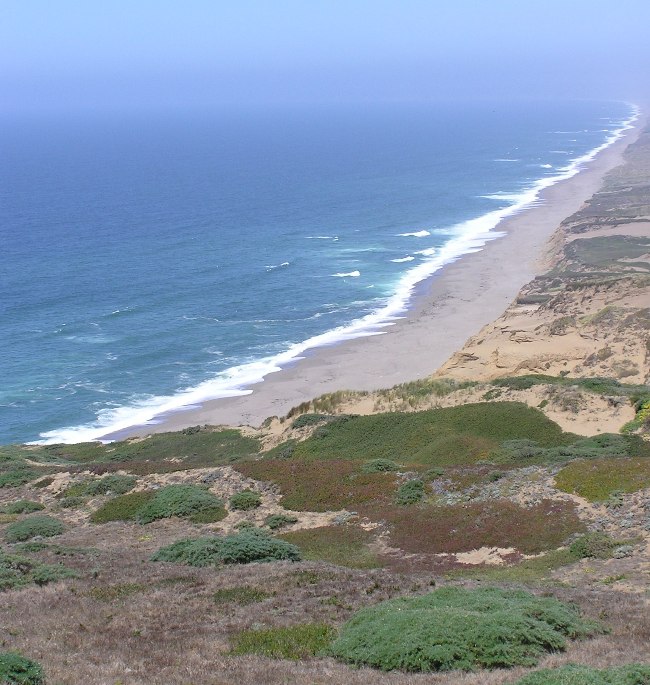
{"x": 431, "y": 316}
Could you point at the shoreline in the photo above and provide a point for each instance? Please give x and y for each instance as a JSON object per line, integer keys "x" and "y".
{"x": 447, "y": 308}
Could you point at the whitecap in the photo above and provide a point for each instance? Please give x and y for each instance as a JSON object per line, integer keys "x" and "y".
{"x": 272, "y": 267}
{"x": 415, "y": 234}
{"x": 505, "y": 159}
{"x": 403, "y": 259}
{"x": 351, "y": 274}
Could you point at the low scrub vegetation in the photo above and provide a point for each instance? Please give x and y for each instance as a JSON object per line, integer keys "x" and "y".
{"x": 16, "y": 477}
{"x": 410, "y": 492}
{"x": 327, "y": 485}
{"x": 454, "y": 628}
{"x": 597, "y": 480}
{"x": 277, "y": 521}
{"x": 240, "y": 548}
{"x": 294, "y": 642}
{"x": 453, "y": 435}
{"x": 189, "y": 448}
{"x": 464, "y": 527}
{"x": 594, "y": 546}
{"x": 572, "y": 674}
{"x": 18, "y": 670}
{"x": 22, "y": 506}
{"x": 122, "y": 508}
{"x": 17, "y": 570}
{"x": 380, "y": 466}
{"x": 113, "y": 484}
{"x": 32, "y": 527}
{"x": 184, "y": 501}
{"x": 344, "y": 545}
{"x": 245, "y": 500}
{"x": 242, "y": 595}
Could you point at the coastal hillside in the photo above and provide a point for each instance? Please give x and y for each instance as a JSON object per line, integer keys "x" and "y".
{"x": 488, "y": 524}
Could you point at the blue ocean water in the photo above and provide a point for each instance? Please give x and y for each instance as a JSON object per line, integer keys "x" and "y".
{"x": 153, "y": 260}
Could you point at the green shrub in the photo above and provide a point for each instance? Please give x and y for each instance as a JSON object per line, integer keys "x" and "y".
{"x": 410, "y": 492}
{"x": 380, "y": 466}
{"x": 433, "y": 473}
{"x": 72, "y": 502}
{"x": 210, "y": 514}
{"x": 310, "y": 420}
{"x": 177, "y": 500}
{"x": 436, "y": 437}
{"x": 294, "y": 642}
{"x": 275, "y": 521}
{"x": 594, "y": 546}
{"x": 17, "y": 571}
{"x": 33, "y": 526}
{"x": 240, "y": 548}
{"x": 17, "y": 477}
{"x": 43, "y": 482}
{"x": 22, "y": 506}
{"x": 598, "y": 479}
{"x": 114, "y": 484}
{"x": 454, "y": 628}
{"x": 51, "y": 573}
{"x": 242, "y": 595}
{"x": 245, "y": 500}
{"x": 122, "y": 508}
{"x": 571, "y": 674}
{"x": 17, "y": 670}
{"x": 255, "y": 545}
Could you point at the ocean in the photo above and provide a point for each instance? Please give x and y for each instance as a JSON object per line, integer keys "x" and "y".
{"x": 153, "y": 260}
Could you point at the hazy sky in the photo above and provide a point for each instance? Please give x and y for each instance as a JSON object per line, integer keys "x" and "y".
{"x": 100, "y": 53}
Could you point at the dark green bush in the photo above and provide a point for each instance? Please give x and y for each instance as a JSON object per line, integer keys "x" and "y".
{"x": 294, "y": 642}
{"x": 594, "y": 546}
{"x": 122, "y": 508}
{"x": 256, "y": 545}
{"x": 72, "y": 502}
{"x": 410, "y": 492}
{"x": 241, "y": 548}
{"x": 275, "y": 521}
{"x": 17, "y": 571}
{"x": 245, "y": 500}
{"x": 114, "y": 484}
{"x": 177, "y": 500}
{"x": 22, "y": 506}
{"x": 310, "y": 420}
{"x": 43, "y": 482}
{"x": 380, "y": 466}
{"x": 453, "y": 628}
{"x": 17, "y": 670}
{"x": 572, "y": 674}
{"x": 210, "y": 514}
{"x": 17, "y": 477}
{"x": 33, "y": 526}
{"x": 432, "y": 474}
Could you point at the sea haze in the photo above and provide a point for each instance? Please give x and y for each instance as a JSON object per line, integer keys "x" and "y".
{"x": 153, "y": 261}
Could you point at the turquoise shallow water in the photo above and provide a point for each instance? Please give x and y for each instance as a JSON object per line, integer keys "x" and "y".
{"x": 152, "y": 261}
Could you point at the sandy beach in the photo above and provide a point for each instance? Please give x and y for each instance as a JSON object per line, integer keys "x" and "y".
{"x": 448, "y": 309}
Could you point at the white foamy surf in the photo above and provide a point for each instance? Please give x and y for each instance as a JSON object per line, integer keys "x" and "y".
{"x": 349, "y": 274}
{"x": 466, "y": 237}
{"x": 415, "y": 234}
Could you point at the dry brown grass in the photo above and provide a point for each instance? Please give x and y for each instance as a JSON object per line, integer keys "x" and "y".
{"x": 166, "y": 628}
